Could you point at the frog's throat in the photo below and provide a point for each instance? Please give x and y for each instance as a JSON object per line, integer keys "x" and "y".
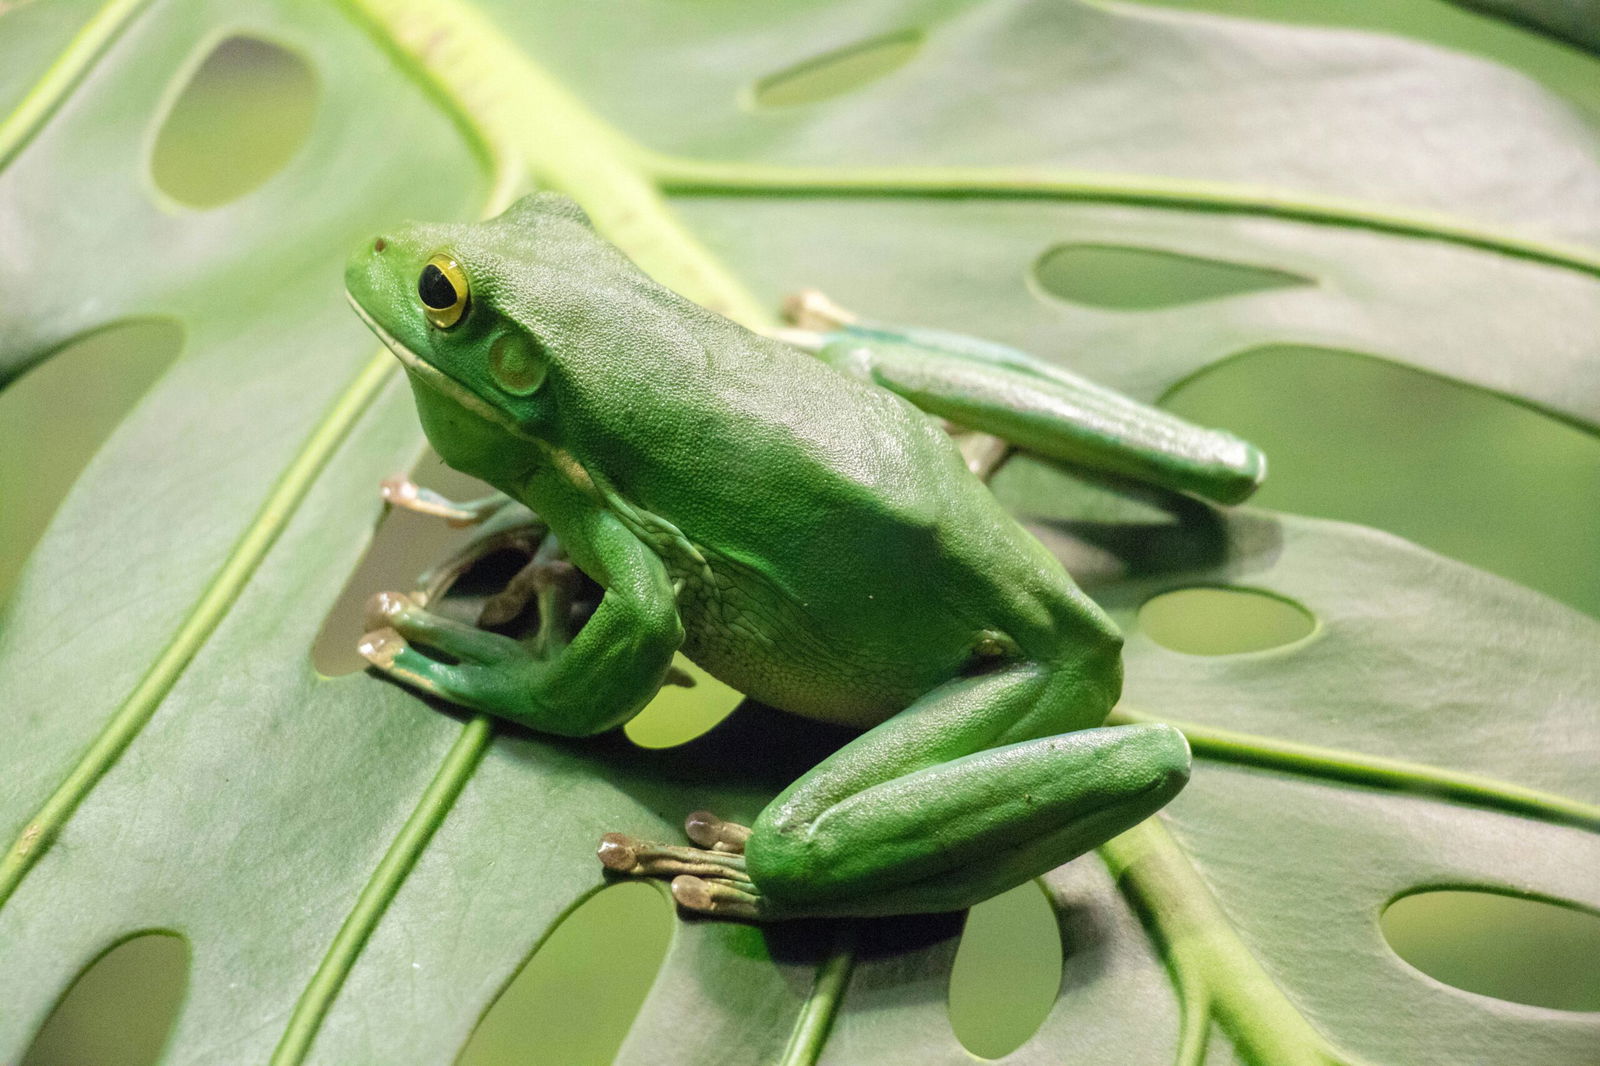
{"x": 435, "y": 378}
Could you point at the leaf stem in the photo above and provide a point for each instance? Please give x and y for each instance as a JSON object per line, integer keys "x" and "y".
{"x": 686, "y": 177}
{"x": 827, "y": 992}
{"x": 1194, "y": 1027}
{"x": 1209, "y": 963}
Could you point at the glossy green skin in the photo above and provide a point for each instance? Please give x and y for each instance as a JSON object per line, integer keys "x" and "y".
{"x": 806, "y": 535}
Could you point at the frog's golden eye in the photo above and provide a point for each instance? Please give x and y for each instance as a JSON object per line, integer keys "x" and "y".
{"x": 442, "y": 287}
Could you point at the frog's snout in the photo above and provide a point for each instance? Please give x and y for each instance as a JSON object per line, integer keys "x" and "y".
{"x": 365, "y": 265}
{"x": 367, "y": 249}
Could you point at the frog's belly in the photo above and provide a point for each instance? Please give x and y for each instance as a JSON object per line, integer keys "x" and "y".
{"x": 747, "y": 634}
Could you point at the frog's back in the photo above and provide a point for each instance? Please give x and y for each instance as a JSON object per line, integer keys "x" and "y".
{"x": 836, "y": 557}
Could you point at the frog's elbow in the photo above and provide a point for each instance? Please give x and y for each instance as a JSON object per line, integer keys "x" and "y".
{"x": 657, "y": 630}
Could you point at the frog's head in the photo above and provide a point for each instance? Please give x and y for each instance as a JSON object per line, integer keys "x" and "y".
{"x": 478, "y": 312}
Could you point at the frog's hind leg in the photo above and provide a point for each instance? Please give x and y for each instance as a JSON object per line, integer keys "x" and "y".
{"x": 959, "y": 797}
{"x": 962, "y": 796}
{"x": 1034, "y": 404}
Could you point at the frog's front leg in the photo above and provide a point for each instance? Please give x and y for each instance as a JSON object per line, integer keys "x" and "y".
{"x": 980, "y": 785}
{"x": 609, "y": 671}
{"x": 1036, "y": 405}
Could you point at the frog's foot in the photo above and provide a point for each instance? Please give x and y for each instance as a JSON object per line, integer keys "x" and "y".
{"x": 404, "y": 493}
{"x": 710, "y": 879}
{"x": 550, "y": 581}
{"x": 483, "y": 659}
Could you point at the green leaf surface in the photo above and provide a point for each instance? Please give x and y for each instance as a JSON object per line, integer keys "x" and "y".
{"x": 358, "y": 873}
{"x": 1575, "y": 21}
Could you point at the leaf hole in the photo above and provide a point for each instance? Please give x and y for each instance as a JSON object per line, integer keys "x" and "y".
{"x": 241, "y": 117}
{"x": 575, "y": 999}
{"x": 1543, "y": 953}
{"x": 1007, "y": 973}
{"x": 1122, "y": 278}
{"x": 404, "y": 546}
{"x": 1462, "y": 471}
{"x": 58, "y": 414}
{"x": 835, "y": 73}
{"x": 678, "y": 715}
{"x": 1210, "y": 620}
{"x": 120, "y": 1010}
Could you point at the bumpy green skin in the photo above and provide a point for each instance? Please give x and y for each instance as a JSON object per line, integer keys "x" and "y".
{"x": 806, "y": 535}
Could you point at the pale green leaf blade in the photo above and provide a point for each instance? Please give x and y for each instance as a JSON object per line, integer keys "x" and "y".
{"x": 1575, "y": 21}
{"x": 359, "y": 873}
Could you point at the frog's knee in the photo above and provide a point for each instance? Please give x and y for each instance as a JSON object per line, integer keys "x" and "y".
{"x": 1161, "y": 758}
{"x": 787, "y": 862}
{"x": 655, "y": 629}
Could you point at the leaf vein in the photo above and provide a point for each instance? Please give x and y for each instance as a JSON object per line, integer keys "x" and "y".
{"x": 685, "y": 177}
{"x": 1377, "y": 771}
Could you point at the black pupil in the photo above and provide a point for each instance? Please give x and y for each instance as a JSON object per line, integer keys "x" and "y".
{"x": 435, "y": 289}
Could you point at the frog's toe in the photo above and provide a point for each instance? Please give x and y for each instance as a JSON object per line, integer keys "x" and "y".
{"x": 393, "y": 655}
{"x": 718, "y": 897}
{"x": 645, "y": 858}
{"x": 406, "y": 494}
{"x": 709, "y": 831}
{"x": 396, "y": 620}
{"x": 710, "y": 879}
{"x": 812, "y": 309}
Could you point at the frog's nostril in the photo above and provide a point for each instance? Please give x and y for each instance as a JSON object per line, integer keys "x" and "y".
{"x": 379, "y": 245}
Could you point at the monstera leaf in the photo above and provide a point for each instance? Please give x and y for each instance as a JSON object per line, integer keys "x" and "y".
{"x": 357, "y": 873}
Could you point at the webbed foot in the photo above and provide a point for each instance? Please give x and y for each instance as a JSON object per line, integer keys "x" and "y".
{"x": 710, "y": 879}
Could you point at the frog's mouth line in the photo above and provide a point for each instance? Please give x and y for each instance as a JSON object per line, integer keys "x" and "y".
{"x": 437, "y": 379}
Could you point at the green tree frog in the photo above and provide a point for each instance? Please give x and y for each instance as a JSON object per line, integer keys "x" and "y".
{"x": 797, "y": 524}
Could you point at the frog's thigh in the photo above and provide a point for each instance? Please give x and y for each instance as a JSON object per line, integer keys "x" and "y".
{"x": 934, "y": 811}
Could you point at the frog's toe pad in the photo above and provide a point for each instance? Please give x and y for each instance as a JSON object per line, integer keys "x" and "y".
{"x": 399, "y": 490}
{"x": 384, "y": 609}
{"x": 616, "y": 852}
{"x": 382, "y": 647}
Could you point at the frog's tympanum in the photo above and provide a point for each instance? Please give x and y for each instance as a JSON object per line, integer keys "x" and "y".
{"x": 798, "y": 524}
